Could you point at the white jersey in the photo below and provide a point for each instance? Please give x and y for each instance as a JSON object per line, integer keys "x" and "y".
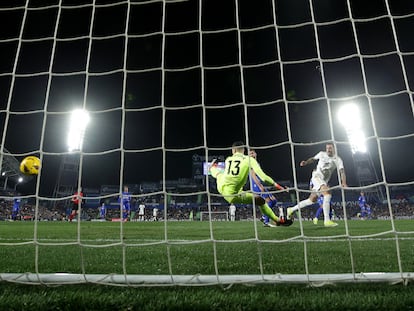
{"x": 232, "y": 209}
{"x": 141, "y": 209}
{"x": 327, "y": 165}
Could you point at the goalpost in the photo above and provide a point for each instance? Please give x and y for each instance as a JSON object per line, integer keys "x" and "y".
{"x": 164, "y": 79}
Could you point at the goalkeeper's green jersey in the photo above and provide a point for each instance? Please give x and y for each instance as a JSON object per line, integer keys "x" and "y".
{"x": 236, "y": 171}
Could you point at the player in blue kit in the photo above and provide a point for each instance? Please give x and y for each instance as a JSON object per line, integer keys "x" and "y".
{"x": 125, "y": 200}
{"x": 257, "y": 187}
{"x": 102, "y": 210}
{"x": 319, "y": 211}
{"x": 363, "y": 205}
{"x": 16, "y": 208}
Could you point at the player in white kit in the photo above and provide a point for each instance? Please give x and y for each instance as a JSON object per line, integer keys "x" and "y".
{"x": 328, "y": 162}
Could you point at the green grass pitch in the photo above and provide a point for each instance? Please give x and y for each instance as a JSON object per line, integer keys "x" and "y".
{"x": 189, "y": 248}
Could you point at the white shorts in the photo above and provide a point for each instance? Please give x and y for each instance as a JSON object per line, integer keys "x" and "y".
{"x": 317, "y": 181}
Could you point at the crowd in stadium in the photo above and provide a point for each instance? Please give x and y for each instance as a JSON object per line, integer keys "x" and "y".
{"x": 183, "y": 208}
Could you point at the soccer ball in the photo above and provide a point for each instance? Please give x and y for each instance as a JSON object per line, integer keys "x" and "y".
{"x": 30, "y": 165}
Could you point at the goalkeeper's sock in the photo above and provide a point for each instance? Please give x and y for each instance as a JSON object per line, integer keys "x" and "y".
{"x": 266, "y": 210}
{"x": 326, "y": 206}
{"x": 301, "y": 204}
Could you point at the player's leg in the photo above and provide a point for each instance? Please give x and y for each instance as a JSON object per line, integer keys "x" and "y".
{"x": 317, "y": 214}
{"x": 72, "y": 215}
{"x": 304, "y": 203}
{"x": 327, "y": 207}
{"x": 244, "y": 197}
{"x": 271, "y": 202}
{"x": 73, "y": 212}
{"x": 261, "y": 203}
{"x": 265, "y": 220}
{"x": 267, "y": 211}
{"x": 316, "y": 182}
{"x": 363, "y": 212}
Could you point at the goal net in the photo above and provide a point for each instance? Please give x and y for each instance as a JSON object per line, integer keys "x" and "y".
{"x": 214, "y": 216}
{"x": 169, "y": 81}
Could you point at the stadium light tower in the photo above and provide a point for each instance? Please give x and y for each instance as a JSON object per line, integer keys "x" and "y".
{"x": 78, "y": 122}
{"x": 69, "y": 166}
{"x": 350, "y": 118}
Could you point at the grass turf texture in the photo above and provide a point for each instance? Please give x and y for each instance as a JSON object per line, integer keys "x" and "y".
{"x": 187, "y": 248}
{"x": 262, "y": 297}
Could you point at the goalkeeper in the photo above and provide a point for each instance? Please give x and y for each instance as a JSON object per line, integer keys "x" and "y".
{"x": 230, "y": 182}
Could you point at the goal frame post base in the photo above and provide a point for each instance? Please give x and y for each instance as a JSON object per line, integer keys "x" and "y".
{"x": 197, "y": 280}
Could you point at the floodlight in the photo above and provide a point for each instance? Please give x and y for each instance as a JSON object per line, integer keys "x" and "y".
{"x": 78, "y": 122}
{"x": 350, "y": 118}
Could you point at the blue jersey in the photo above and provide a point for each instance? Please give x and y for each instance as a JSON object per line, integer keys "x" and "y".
{"x": 320, "y": 200}
{"x": 257, "y": 187}
{"x": 365, "y": 208}
{"x": 16, "y": 205}
{"x": 126, "y": 200}
{"x": 320, "y": 208}
{"x": 362, "y": 201}
{"x": 102, "y": 211}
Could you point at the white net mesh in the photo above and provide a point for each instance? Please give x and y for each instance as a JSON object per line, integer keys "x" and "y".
{"x": 167, "y": 80}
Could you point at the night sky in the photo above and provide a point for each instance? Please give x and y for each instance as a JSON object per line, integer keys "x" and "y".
{"x": 270, "y": 73}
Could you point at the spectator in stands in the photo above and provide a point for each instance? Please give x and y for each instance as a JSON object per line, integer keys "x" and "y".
{"x": 76, "y": 203}
{"x": 328, "y": 162}
{"x": 231, "y": 180}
